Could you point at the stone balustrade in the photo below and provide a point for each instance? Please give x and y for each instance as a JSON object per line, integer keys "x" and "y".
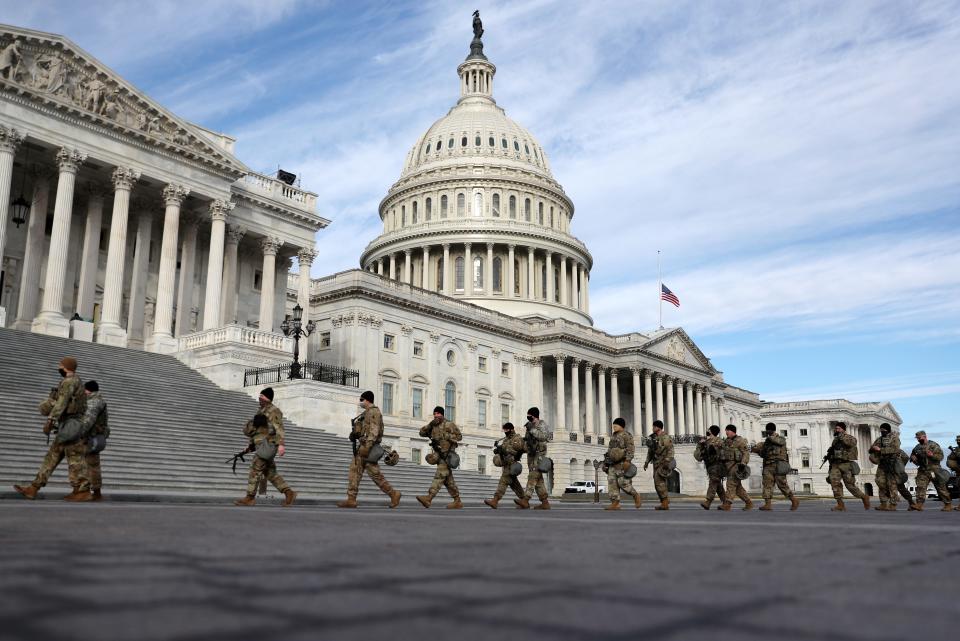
{"x": 279, "y": 190}
{"x": 236, "y": 334}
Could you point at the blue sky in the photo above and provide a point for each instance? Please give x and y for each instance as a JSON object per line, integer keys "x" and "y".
{"x": 797, "y": 163}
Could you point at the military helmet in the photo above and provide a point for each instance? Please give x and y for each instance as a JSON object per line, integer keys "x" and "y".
{"x": 392, "y": 458}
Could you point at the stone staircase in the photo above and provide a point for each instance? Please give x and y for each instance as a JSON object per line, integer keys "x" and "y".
{"x": 171, "y": 428}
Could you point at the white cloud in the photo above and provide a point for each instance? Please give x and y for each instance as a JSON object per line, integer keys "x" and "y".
{"x": 900, "y": 387}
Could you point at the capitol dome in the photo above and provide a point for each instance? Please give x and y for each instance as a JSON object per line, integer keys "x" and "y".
{"x": 477, "y": 215}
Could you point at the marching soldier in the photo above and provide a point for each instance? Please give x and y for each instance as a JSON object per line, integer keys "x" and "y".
{"x": 708, "y": 452}
{"x": 842, "y": 454}
{"x": 617, "y": 461}
{"x": 535, "y": 444}
{"x": 734, "y": 452}
{"x": 927, "y": 456}
{"x": 96, "y": 428}
{"x": 267, "y": 426}
{"x": 507, "y": 452}
{"x": 885, "y": 454}
{"x": 953, "y": 460}
{"x": 64, "y": 410}
{"x": 660, "y": 453}
{"x": 367, "y": 432}
{"x": 773, "y": 450}
{"x": 444, "y": 436}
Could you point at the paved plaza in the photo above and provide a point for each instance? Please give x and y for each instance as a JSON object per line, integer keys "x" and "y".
{"x": 121, "y": 571}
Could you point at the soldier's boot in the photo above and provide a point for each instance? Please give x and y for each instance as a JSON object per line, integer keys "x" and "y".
{"x": 544, "y": 505}
{"x": 914, "y": 507}
{"x": 866, "y": 502}
{"x": 425, "y": 500}
{"x": 706, "y": 504}
{"x": 839, "y": 507}
{"x": 27, "y": 491}
{"x": 97, "y": 496}
{"x": 394, "y": 498}
{"x": 726, "y": 506}
{"x": 794, "y": 503}
{"x": 919, "y": 506}
{"x": 767, "y": 505}
{"x": 291, "y": 496}
{"x": 348, "y": 502}
{"x": 523, "y": 503}
{"x": 636, "y": 500}
{"x": 80, "y": 497}
{"x": 664, "y": 505}
{"x": 748, "y": 505}
{"x": 614, "y": 505}
{"x": 247, "y": 501}
{"x": 72, "y": 494}
{"x": 456, "y": 505}
{"x": 947, "y": 507}
{"x": 882, "y": 507}
{"x": 494, "y": 502}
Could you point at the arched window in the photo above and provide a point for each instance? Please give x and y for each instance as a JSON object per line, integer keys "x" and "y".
{"x": 461, "y": 204}
{"x": 516, "y": 146}
{"x": 503, "y": 143}
{"x": 478, "y": 272}
{"x": 498, "y": 274}
{"x": 526, "y": 209}
{"x": 516, "y": 277}
{"x": 414, "y": 213}
{"x": 450, "y": 401}
{"x": 477, "y": 204}
{"x": 463, "y": 141}
{"x": 426, "y": 149}
{"x": 556, "y": 285}
{"x": 476, "y": 141}
{"x": 540, "y": 213}
{"x": 543, "y": 280}
{"x": 440, "y": 272}
{"x": 403, "y": 215}
{"x": 450, "y": 144}
{"x": 439, "y": 145}
{"x": 428, "y": 209}
{"x": 526, "y": 148}
{"x": 496, "y": 205}
{"x": 550, "y": 220}
{"x": 443, "y": 206}
{"x": 394, "y": 217}
{"x": 458, "y": 274}
{"x": 513, "y": 207}
{"x": 492, "y": 142}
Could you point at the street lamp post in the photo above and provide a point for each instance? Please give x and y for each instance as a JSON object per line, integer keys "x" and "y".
{"x": 294, "y": 327}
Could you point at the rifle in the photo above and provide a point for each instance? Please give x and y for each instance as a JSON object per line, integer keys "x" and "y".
{"x": 49, "y": 427}
{"x": 239, "y": 456}
{"x": 826, "y": 457}
{"x": 354, "y": 434}
{"x": 435, "y": 444}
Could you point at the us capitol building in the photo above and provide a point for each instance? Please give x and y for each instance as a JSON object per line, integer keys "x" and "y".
{"x": 125, "y": 224}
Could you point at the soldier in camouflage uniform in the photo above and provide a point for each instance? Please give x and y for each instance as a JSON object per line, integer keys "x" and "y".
{"x": 660, "y": 453}
{"x": 734, "y": 452}
{"x": 772, "y": 449}
{"x": 94, "y": 426}
{"x": 842, "y": 454}
{"x": 885, "y": 453}
{"x": 508, "y": 451}
{"x": 444, "y": 436}
{"x": 367, "y": 432}
{"x": 927, "y": 456}
{"x": 708, "y": 453}
{"x": 953, "y": 460}
{"x": 619, "y": 456}
{"x": 67, "y": 403}
{"x": 535, "y": 444}
{"x": 267, "y": 425}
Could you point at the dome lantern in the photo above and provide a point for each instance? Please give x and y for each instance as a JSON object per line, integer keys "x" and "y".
{"x": 476, "y": 72}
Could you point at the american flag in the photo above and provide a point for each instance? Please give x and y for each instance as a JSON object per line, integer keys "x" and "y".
{"x": 667, "y": 295}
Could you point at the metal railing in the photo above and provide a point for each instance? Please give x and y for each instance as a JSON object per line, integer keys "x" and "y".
{"x": 309, "y": 370}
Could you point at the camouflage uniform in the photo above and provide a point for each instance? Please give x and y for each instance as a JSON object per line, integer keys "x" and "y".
{"x": 535, "y": 481}
{"x": 443, "y": 436}
{"x": 95, "y": 424}
{"x": 69, "y": 403}
{"x": 272, "y": 433}
{"x": 369, "y": 431}
{"x": 843, "y": 452}
{"x": 660, "y": 453}
{"x": 708, "y": 451}
{"x": 772, "y": 449}
{"x": 888, "y": 479}
{"x": 926, "y": 465}
{"x": 511, "y": 450}
{"x": 733, "y": 452}
{"x": 616, "y": 480}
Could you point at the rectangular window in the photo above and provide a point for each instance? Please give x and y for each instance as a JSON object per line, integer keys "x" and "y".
{"x": 415, "y": 455}
{"x": 386, "y": 404}
{"x": 504, "y": 412}
{"x": 496, "y": 205}
{"x": 803, "y": 431}
{"x": 418, "y": 349}
{"x": 482, "y": 464}
{"x": 805, "y": 460}
{"x": 324, "y": 340}
{"x": 504, "y": 368}
{"x": 417, "y": 404}
{"x": 783, "y": 432}
{"x": 257, "y": 279}
{"x": 389, "y": 342}
{"x": 482, "y": 363}
{"x": 482, "y": 413}
{"x": 806, "y": 488}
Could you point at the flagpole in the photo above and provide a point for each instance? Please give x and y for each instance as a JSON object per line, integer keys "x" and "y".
{"x": 659, "y": 289}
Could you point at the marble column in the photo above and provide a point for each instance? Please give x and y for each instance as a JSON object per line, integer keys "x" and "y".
{"x": 660, "y": 414}
{"x": 305, "y": 258}
{"x": 548, "y": 286}
{"x": 648, "y": 402}
{"x": 681, "y": 415}
{"x": 720, "y": 411}
{"x": 393, "y": 267}
{"x": 698, "y": 399}
{"x": 139, "y": 271}
{"x": 188, "y": 262}
{"x": 488, "y": 272}
{"x": 638, "y": 427}
{"x": 109, "y": 330}
{"x": 563, "y": 280}
{"x": 586, "y": 291}
{"x": 602, "y": 400}
{"x": 536, "y": 374}
{"x": 50, "y": 320}
{"x": 447, "y": 271}
{"x": 578, "y": 286}
{"x": 708, "y": 416}
{"x": 380, "y": 262}
{"x": 33, "y": 254}
{"x": 270, "y": 246}
{"x": 425, "y": 275}
{"x": 668, "y": 421}
{"x": 511, "y": 274}
{"x": 691, "y": 425}
{"x": 90, "y": 256}
{"x": 231, "y": 250}
{"x": 10, "y": 139}
{"x": 162, "y": 339}
{"x": 615, "y": 393}
{"x": 560, "y": 425}
{"x": 408, "y": 266}
{"x": 575, "y": 395}
{"x": 467, "y": 270}
{"x": 531, "y": 288}
{"x": 219, "y": 211}
{"x": 591, "y": 427}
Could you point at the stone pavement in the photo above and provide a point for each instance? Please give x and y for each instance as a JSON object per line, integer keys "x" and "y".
{"x": 145, "y": 571}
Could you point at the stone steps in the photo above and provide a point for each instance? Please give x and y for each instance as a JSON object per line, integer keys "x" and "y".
{"x": 171, "y": 428}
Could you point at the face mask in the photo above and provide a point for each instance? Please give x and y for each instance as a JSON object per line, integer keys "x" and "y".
{"x": 529, "y": 419}
{"x": 62, "y": 372}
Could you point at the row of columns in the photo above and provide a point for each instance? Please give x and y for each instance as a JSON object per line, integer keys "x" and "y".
{"x": 574, "y": 285}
